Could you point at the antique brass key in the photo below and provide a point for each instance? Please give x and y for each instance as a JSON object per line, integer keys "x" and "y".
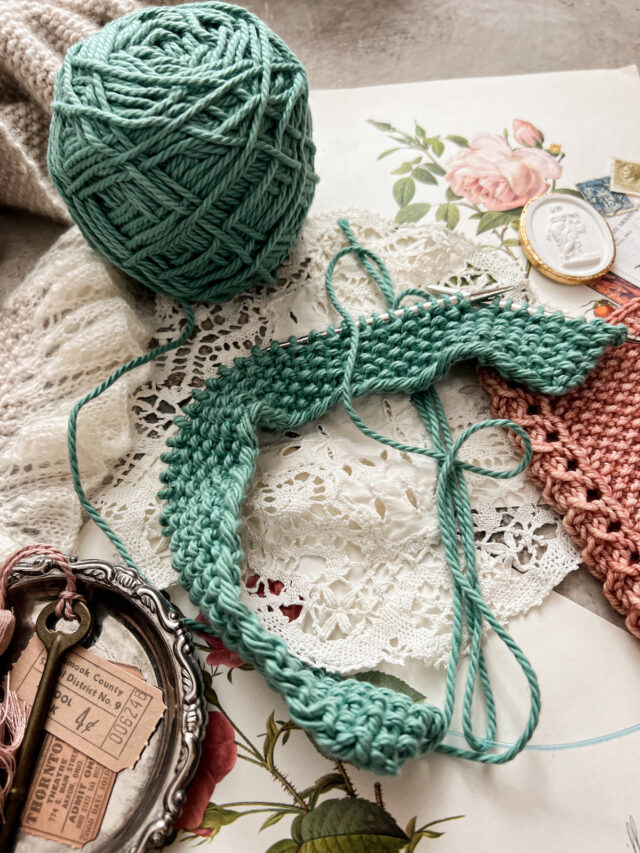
{"x": 57, "y": 644}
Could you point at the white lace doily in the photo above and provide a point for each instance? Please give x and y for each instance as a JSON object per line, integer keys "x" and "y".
{"x": 343, "y": 553}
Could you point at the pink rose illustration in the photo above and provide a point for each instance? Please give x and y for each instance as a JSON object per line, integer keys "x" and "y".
{"x": 219, "y": 655}
{"x": 493, "y": 175}
{"x": 526, "y": 133}
{"x": 256, "y": 587}
{"x": 219, "y": 754}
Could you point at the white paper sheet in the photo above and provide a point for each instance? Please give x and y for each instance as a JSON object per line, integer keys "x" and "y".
{"x": 560, "y": 801}
{"x": 566, "y": 801}
{"x": 593, "y": 115}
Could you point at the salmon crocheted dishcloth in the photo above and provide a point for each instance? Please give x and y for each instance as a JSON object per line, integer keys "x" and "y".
{"x": 586, "y": 460}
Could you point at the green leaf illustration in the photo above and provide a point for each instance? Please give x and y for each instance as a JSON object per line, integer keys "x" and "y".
{"x": 270, "y": 739}
{"x": 436, "y": 168}
{"x": 451, "y": 196}
{"x": 215, "y": 817}
{"x": 384, "y": 126}
{"x": 412, "y": 213}
{"x": 352, "y": 844}
{"x": 295, "y": 828}
{"x": 326, "y": 783}
{"x": 449, "y": 214}
{"x": 403, "y": 191}
{"x": 567, "y": 191}
{"x": 420, "y": 131}
{"x": 381, "y": 679}
{"x": 350, "y": 825}
{"x": 453, "y": 216}
{"x": 287, "y": 845}
{"x": 416, "y": 835}
{"x": 497, "y": 218}
{"x": 387, "y": 152}
{"x": 209, "y": 693}
{"x": 423, "y": 175}
{"x": 404, "y": 169}
{"x": 274, "y": 818}
{"x": 438, "y": 147}
{"x": 460, "y": 141}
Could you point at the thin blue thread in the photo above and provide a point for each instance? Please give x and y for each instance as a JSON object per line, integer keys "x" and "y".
{"x": 559, "y": 747}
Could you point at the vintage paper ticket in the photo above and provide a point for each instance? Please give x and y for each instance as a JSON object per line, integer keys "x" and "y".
{"x": 69, "y": 792}
{"x": 68, "y": 795}
{"x": 98, "y": 707}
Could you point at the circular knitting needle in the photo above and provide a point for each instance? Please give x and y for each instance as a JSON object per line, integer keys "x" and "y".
{"x": 474, "y": 298}
{"x": 57, "y": 643}
{"x": 454, "y": 298}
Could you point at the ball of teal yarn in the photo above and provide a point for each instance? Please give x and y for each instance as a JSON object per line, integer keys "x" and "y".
{"x": 181, "y": 143}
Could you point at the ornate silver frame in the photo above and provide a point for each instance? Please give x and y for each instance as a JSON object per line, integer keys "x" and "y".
{"x": 172, "y": 649}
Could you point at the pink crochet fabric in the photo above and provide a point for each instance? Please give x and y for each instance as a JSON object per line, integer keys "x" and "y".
{"x": 586, "y": 460}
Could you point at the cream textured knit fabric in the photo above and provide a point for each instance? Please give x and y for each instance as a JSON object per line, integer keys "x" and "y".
{"x": 34, "y": 36}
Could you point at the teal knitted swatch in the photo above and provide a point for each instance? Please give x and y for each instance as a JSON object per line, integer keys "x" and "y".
{"x": 212, "y": 460}
{"x": 181, "y": 143}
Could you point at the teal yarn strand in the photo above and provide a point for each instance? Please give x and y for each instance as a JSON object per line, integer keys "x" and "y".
{"x": 72, "y": 432}
{"x": 181, "y": 143}
{"x": 455, "y": 518}
{"x": 211, "y": 463}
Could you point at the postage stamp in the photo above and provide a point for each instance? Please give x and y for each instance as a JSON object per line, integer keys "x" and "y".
{"x": 625, "y": 176}
{"x": 598, "y": 193}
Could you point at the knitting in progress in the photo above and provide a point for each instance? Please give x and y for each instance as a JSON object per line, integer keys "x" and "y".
{"x": 211, "y": 464}
{"x": 586, "y": 460}
{"x": 71, "y": 321}
{"x": 181, "y": 143}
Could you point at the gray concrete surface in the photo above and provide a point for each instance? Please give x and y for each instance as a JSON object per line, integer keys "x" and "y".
{"x": 346, "y": 43}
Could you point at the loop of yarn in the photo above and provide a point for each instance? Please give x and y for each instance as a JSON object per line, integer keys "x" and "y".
{"x": 181, "y": 143}
{"x": 454, "y": 515}
{"x": 66, "y": 597}
{"x": 212, "y": 461}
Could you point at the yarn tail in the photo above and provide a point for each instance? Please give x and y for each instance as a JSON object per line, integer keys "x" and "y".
{"x": 13, "y": 722}
{"x": 72, "y": 430}
{"x": 456, "y": 528}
